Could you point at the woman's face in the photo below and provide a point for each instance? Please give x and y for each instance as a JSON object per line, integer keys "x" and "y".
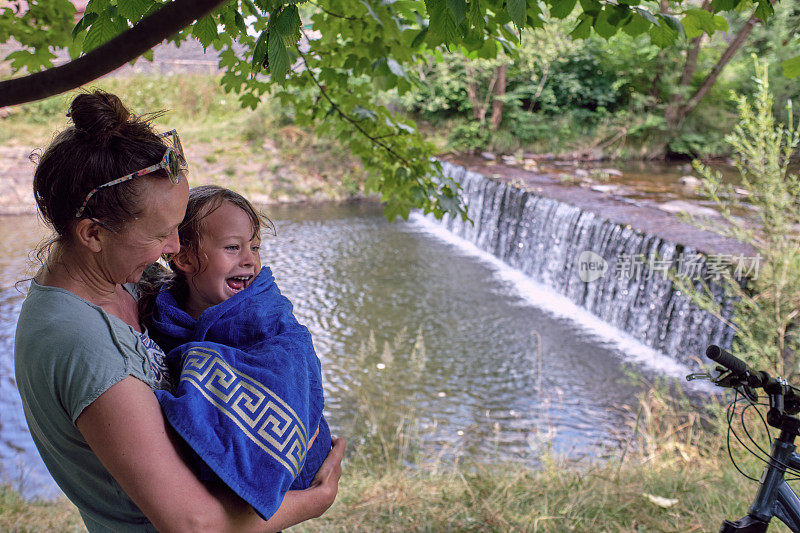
{"x": 155, "y": 232}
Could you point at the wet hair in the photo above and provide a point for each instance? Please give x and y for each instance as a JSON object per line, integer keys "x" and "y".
{"x": 203, "y": 201}
{"x": 104, "y": 142}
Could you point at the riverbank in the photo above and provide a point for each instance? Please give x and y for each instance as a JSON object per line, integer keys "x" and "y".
{"x": 674, "y": 477}
{"x": 266, "y": 157}
{"x": 258, "y": 153}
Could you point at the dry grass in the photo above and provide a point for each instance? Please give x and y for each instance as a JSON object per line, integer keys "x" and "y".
{"x": 19, "y": 515}
{"x": 258, "y": 153}
{"x": 676, "y": 454}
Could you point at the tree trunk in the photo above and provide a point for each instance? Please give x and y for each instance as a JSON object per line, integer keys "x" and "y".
{"x": 689, "y": 67}
{"x": 499, "y": 93}
{"x": 708, "y": 82}
{"x": 478, "y": 109}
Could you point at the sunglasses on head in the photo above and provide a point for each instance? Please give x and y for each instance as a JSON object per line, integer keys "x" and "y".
{"x": 173, "y": 163}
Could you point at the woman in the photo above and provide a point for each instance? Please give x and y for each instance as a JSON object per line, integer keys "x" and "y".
{"x": 114, "y": 192}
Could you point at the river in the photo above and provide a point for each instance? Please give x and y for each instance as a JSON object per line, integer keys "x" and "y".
{"x": 415, "y": 327}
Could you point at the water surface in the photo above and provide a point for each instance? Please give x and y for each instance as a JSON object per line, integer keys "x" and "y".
{"x": 409, "y": 328}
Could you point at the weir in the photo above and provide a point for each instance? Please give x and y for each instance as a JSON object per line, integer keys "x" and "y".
{"x": 548, "y": 239}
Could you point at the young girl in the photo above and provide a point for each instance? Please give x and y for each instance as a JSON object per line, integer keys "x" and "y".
{"x": 249, "y": 401}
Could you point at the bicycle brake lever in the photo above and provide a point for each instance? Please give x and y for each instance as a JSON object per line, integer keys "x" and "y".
{"x": 727, "y": 379}
{"x": 699, "y": 375}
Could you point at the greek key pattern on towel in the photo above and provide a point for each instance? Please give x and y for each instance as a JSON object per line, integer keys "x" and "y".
{"x": 260, "y": 413}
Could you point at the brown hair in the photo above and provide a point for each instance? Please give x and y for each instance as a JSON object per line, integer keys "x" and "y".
{"x": 203, "y": 201}
{"x": 104, "y": 142}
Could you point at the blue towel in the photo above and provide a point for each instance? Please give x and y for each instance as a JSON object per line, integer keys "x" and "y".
{"x": 250, "y": 391}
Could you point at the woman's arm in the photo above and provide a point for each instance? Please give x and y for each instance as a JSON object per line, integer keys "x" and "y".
{"x": 127, "y": 431}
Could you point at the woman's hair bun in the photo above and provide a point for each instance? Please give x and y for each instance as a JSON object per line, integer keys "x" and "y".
{"x": 98, "y": 113}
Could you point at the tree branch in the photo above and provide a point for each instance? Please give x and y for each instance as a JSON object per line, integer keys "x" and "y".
{"x": 344, "y": 116}
{"x": 126, "y": 47}
{"x": 729, "y": 52}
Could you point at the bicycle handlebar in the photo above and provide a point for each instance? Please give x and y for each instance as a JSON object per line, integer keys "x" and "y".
{"x": 755, "y": 378}
{"x": 729, "y": 361}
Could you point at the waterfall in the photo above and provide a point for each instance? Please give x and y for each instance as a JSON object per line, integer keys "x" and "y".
{"x": 544, "y": 238}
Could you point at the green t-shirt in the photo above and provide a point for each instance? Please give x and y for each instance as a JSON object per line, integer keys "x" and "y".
{"x": 67, "y": 353}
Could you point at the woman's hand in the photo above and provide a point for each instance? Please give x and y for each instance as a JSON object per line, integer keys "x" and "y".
{"x": 127, "y": 431}
{"x": 326, "y": 482}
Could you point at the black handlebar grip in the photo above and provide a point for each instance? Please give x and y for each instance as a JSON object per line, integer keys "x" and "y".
{"x": 715, "y": 353}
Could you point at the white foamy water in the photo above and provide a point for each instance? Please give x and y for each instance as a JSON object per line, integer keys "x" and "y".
{"x": 547, "y": 299}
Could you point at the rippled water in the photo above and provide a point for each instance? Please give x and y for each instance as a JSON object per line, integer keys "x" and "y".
{"x": 408, "y": 326}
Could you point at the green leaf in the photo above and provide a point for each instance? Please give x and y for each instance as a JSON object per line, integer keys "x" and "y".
{"x": 251, "y": 7}
{"x": 791, "y": 67}
{"x": 260, "y": 52}
{"x": 617, "y": 15}
{"x": 288, "y": 24}
{"x": 724, "y": 5}
{"x": 476, "y": 15}
{"x": 591, "y": 7}
{"x": 516, "y": 10}
{"x": 442, "y": 23}
{"x": 602, "y": 26}
{"x": 84, "y": 23}
{"x": 562, "y": 8}
{"x": 647, "y": 16}
{"x": 239, "y": 20}
{"x": 205, "y": 30}
{"x": 97, "y": 6}
{"x": 33, "y": 61}
{"x": 372, "y": 12}
{"x": 584, "y": 28}
{"x": 278, "y": 57}
{"x": 662, "y": 35}
{"x": 133, "y": 10}
{"x": 419, "y": 39}
{"x": 249, "y": 100}
{"x": 692, "y": 25}
{"x": 764, "y": 10}
{"x": 699, "y": 19}
{"x": 76, "y": 46}
{"x": 674, "y": 24}
{"x": 636, "y": 26}
{"x": 103, "y": 30}
{"x": 458, "y": 9}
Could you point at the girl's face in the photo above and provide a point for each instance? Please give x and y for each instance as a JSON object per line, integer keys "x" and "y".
{"x": 227, "y": 260}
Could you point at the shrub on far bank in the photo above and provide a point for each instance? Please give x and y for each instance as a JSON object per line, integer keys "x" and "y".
{"x": 763, "y": 213}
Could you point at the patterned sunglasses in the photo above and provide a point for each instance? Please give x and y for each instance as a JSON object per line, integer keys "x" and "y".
{"x": 173, "y": 162}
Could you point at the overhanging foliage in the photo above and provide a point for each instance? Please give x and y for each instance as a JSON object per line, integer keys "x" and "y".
{"x": 328, "y": 58}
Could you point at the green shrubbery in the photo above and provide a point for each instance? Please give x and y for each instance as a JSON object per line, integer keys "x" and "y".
{"x": 764, "y": 213}
{"x": 567, "y": 96}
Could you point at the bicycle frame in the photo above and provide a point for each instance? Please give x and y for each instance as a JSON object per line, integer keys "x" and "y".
{"x": 774, "y": 498}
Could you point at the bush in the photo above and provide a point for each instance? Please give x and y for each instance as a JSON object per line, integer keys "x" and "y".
{"x": 768, "y": 305}
{"x": 468, "y": 136}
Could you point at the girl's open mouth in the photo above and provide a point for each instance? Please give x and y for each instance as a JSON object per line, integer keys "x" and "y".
{"x": 237, "y": 283}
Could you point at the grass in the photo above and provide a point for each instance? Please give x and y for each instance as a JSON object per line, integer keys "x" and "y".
{"x": 674, "y": 477}
{"x": 20, "y": 515}
{"x": 258, "y": 153}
